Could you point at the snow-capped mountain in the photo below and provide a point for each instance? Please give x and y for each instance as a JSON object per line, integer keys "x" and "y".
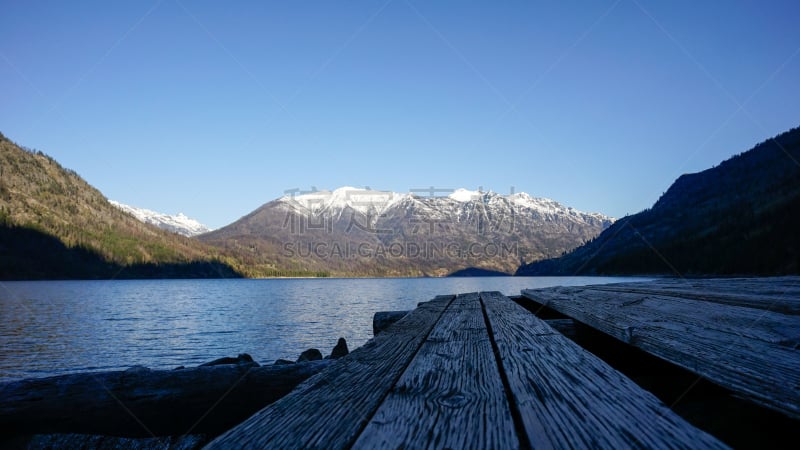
{"x": 364, "y": 231}
{"x": 178, "y": 223}
{"x": 363, "y": 201}
{"x": 456, "y": 204}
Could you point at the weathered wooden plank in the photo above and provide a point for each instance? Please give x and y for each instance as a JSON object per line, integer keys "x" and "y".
{"x": 331, "y": 408}
{"x": 451, "y": 395}
{"x": 752, "y": 352}
{"x": 771, "y": 327}
{"x": 568, "y": 398}
{"x": 383, "y": 319}
{"x": 566, "y": 327}
{"x": 777, "y": 294}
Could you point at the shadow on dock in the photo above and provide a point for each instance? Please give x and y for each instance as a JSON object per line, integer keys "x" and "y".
{"x": 718, "y": 411}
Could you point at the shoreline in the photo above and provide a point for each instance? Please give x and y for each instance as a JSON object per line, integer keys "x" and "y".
{"x": 145, "y": 408}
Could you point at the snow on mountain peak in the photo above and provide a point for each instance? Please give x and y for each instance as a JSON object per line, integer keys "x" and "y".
{"x": 525, "y": 200}
{"x": 178, "y": 223}
{"x": 464, "y": 195}
{"x": 548, "y": 206}
{"x": 362, "y": 200}
{"x": 368, "y": 201}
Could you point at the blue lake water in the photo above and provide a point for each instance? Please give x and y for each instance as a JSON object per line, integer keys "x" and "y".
{"x": 55, "y": 327}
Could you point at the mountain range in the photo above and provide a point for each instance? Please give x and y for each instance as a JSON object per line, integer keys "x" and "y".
{"x": 740, "y": 217}
{"x": 380, "y": 233}
{"x": 53, "y": 224}
{"x": 177, "y": 223}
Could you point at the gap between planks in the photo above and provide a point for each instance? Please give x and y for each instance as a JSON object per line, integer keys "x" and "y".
{"x": 516, "y": 414}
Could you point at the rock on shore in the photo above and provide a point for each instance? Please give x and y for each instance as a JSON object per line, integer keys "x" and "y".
{"x": 183, "y": 408}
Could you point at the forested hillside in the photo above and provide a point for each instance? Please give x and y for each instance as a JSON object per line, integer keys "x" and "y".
{"x": 740, "y": 217}
{"x": 53, "y": 224}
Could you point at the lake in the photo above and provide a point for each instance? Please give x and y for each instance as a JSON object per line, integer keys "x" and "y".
{"x": 56, "y": 327}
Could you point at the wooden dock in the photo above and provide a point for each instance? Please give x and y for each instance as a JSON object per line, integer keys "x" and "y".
{"x": 741, "y": 334}
{"x": 468, "y": 371}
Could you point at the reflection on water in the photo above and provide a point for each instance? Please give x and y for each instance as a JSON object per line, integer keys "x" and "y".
{"x": 55, "y": 327}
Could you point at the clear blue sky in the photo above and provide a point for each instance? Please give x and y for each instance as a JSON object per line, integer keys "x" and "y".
{"x": 213, "y": 108}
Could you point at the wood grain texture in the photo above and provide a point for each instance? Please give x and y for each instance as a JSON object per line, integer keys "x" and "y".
{"x": 330, "y": 409}
{"x": 451, "y": 395}
{"x": 568, "y": 398}
{"x": 750, "y": 350}
{"x": 384, "y": 319}
{"x": 777, "y": 294}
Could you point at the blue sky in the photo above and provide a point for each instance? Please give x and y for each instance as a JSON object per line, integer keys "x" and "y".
{"x": 213, "y": 108}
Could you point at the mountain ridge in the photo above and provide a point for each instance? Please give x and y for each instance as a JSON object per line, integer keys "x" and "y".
{"x": 53, "y": 224}
{"x": 365, "y": 200}
{"x": 383, "y": 233}
{"x": 176, "y": 223}
{"x": 739, "y": 217}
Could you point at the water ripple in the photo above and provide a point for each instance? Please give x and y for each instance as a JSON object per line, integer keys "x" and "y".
{"x": 55, "y": 327}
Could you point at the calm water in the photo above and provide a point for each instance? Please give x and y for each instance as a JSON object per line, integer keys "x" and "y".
{"x": 56, "y": 327}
